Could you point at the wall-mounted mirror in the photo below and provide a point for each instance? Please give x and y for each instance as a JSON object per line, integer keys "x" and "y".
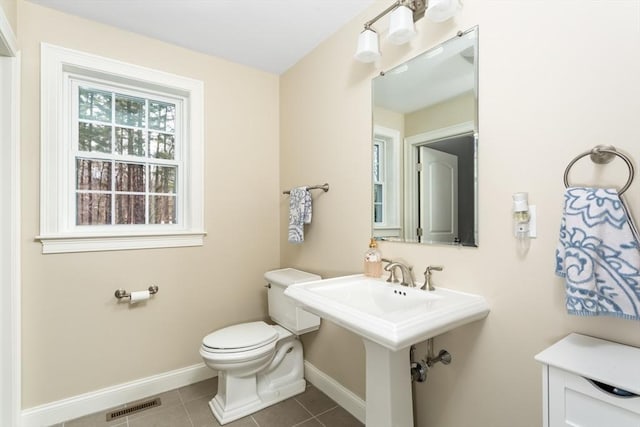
{"x": 425, "y": 140}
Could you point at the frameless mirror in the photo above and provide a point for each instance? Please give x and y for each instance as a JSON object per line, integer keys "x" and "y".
{"x": 425, "y": 140}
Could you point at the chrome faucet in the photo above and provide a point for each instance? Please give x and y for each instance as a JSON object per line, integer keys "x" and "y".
{"x": 407, "y": 273}
{"x": 428, "y": 285}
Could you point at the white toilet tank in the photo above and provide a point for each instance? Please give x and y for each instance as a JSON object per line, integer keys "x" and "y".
{"x": 282, "y": 309}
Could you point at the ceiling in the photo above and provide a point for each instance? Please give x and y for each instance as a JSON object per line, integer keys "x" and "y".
{"x": 442, "y": 73}
{"x": 270, "y": 35}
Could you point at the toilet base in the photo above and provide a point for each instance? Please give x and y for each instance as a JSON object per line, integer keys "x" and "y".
{"x": 238, "y": 397}
{"x": 226, "y": 416}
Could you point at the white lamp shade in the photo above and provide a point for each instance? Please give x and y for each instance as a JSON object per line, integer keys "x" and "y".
{"x": 441, "y": 10}
{"x": 401, "y": 27}
{"x": 368, "y": 50}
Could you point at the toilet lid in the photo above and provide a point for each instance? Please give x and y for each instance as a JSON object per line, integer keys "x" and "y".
{"x": 243, "y": 336}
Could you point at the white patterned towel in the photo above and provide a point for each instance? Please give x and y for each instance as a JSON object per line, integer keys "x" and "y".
{"x": 299, "y": 213}
{"x": 599, "y": 255}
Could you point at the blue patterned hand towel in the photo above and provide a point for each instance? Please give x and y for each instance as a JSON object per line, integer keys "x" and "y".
{"x": 599, "y": 255}
{"x": 299, "y": 213}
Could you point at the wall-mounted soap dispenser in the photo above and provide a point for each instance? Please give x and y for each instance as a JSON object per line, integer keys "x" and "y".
{"x": 524, "y": 217}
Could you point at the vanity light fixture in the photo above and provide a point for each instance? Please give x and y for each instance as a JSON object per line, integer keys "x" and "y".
{"x": 404, "y": 14}
{"x": 441, "y": 10}
{"x": 368, "y": 49}
{"x": 401, "y": 26}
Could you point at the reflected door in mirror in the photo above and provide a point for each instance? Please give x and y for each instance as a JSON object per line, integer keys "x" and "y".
{"x": 438, "y": 179}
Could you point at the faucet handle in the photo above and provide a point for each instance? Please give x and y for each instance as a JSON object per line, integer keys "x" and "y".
{"x": 427, "y": 277}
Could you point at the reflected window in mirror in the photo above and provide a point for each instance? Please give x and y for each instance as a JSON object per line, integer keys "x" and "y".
{"x": 426, "y": 192}
{"x": 386, "y": 181}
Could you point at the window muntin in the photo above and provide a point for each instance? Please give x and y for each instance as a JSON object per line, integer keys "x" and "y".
{"x": 126, "y": 156}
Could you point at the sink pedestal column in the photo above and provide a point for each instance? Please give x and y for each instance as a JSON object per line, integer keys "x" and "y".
{"x": 389, "y": 400}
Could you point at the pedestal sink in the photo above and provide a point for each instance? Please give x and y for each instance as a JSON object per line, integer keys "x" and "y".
{"x": 389, "y": 318}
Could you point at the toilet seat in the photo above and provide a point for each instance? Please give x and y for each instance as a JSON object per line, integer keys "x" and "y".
{"x": 243, "y": 337}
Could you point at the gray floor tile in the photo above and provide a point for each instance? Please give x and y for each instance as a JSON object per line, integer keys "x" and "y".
{"x": 315, "y": 401}
{"x": 200, "y": 413}
{"x": 339, "y": 417}
{"x": 310, "y": 423}
{"x": 283, "y": 414}
{"x": 99, "y": 419}
{"x": 243, "y": 422}
{"x": 199, "y": 389}
{"x": 167, "y": 399}
{"x": 170, "y": 416}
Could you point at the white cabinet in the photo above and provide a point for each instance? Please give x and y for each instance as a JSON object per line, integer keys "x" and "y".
{"x": 589, "y": 382}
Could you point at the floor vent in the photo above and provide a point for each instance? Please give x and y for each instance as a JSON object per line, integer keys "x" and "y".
{"x": 138, "y": 407}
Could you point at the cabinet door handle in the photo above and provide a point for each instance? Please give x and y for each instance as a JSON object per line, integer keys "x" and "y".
{"x": 612, "y": 390}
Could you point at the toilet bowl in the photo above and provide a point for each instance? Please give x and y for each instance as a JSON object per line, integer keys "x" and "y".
{"x": 242, "y": 349}
{"x": 259, "y": 364}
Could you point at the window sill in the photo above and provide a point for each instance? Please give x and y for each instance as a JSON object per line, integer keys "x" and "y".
{"x": 116, "y": 242}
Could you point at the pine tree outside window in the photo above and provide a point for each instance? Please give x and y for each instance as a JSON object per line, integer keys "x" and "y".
{"x": 125, "y": 162}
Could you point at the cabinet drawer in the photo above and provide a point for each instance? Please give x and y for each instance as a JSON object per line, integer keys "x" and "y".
{"x": 577, "y": 402}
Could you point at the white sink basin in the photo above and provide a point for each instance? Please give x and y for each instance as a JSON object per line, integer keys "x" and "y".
{"x": 389, "y": 318}
{"x": 390, "y": 315}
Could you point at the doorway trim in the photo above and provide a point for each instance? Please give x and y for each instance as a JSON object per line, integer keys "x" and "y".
{"x": 411, "y": 170}
{"x": 10, "y": 367}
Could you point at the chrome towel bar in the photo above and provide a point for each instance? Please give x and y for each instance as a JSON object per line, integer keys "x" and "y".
{"x": 121, "y": 293}
{"x": 602, "y": 154}
{"x": 324, "y": 187}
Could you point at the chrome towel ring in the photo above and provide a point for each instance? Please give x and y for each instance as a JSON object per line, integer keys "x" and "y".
{"x": 602, "y": 154}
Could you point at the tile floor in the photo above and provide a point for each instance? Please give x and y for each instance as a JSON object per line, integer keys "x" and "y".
{"x": 188, "y": 407}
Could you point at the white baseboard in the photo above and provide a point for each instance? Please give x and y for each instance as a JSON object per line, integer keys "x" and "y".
{"x": 100, "y": 400}
{"x": 336, "y": 391}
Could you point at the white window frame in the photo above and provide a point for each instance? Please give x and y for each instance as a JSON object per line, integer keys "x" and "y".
{"x": 58, "y": 232}
{"x": 390, "y": 225}
{"x": 381, "y": 143}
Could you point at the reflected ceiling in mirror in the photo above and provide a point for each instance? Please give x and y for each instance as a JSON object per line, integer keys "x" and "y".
{"x": 425, "y": 139}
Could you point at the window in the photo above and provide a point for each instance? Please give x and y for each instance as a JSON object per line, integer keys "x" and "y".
{"x": 378, "y": 181}
{"x": 125, "y": 157}
{"x": 122, "y": 155}
{"x": 386, "y": 182}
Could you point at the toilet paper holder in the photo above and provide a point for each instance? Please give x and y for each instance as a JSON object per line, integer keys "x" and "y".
{"x": 121, "y": 293}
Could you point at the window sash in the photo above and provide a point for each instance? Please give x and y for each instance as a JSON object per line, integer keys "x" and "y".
{"x": 379, "y": 182}
{"x": 114, "y": 158}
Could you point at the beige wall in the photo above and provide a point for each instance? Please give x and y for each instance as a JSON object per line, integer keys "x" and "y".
{"x": 451, "y": 112}
{"x": 556, "y": 78}
{"x": 76, "y": 337}
{"x": 9, "y": 8}
{"x": 389, "y": 119}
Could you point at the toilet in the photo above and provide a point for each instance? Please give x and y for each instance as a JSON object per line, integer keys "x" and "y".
{"x": 259, "y": 364}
